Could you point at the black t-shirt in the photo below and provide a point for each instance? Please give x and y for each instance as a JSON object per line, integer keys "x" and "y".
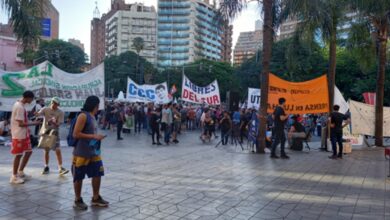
{"x": 337, "y": 119}
{"x": 298, "y": 127}
{"x": 279, "y": 124}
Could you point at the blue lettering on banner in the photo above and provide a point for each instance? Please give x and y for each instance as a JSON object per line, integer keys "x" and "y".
{"x": 140, "y": 92}
{"x": 132, "y": 89}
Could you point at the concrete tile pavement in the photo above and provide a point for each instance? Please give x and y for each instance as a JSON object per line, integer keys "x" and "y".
{"x": 193, "y": 180}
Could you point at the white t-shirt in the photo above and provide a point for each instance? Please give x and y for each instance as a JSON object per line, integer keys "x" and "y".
{"x": 18, "y": 113}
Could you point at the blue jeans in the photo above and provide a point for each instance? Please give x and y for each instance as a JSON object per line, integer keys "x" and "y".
{"x": 337, "y": 138}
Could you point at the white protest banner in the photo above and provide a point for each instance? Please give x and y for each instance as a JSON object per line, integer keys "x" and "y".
{"x": 253, "y": 98}
{"x": 363, "y": 119}
{"x": 47, "y": 81}
{"x": 157, "y": 93}
{"x": 354, "y": 139}
{"x": 201, "y": 95}
{"x": 339, "y": 100}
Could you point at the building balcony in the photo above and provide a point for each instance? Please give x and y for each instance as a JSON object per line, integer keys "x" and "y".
{"x": 205, "y": 10}
{"x": 173, "y": 35}
{"x": 178, "y": 27}
{"x": 174, "y": 12}
{"x": 174, "y": 49}
{"x": 172, "y": 42}
{"x": 162, "y": 4}
{"x": 173, "y": 57}
{"x": 173, "y": 20}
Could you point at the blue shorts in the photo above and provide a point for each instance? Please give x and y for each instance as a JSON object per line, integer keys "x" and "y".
{"x": 92, "y": 167}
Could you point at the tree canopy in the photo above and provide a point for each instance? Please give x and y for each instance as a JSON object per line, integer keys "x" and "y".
{"x": 62, "y": 54}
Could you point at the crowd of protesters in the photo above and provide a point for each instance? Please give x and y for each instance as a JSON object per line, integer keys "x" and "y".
{"x": 164, "y": 123}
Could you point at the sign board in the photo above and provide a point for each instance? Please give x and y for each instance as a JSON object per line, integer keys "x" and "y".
{"x": 309, "y": 97}
{"x": 200, "y": 95}
{"x": 363, "y": 119}
{"x": 157, "y": 93}
{"x": 46, "y": 27}
{"x": 47, "y": 81}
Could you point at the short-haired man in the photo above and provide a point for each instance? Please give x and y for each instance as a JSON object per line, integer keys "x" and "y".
{"x": 53, "y": 117}
{"x": 336, "y": 120}
{"x": 280, "y": 119}
{"x": 21, "y": 143}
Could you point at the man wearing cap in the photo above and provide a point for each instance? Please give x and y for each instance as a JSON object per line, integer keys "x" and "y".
{"x": 53, "y": 117}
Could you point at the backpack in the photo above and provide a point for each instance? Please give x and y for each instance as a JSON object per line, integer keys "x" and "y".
{"x": 72, "y": 142}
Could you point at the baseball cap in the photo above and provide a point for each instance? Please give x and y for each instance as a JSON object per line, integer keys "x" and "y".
{"x": 55, "y": 100}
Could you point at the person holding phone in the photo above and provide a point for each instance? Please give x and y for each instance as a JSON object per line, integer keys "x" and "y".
{"x": 86, "y": 154}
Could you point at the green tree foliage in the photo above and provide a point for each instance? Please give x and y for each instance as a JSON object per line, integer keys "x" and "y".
{"x": 119, "y": 68}
{"x": 202, "y": 73}
{"x": 298, "y": 61}
{"x": 62, "y": 54}
{"x": 292, "y": 59}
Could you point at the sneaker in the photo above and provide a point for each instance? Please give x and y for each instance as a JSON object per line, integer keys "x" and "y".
{"x": 285, "y": 157}
{"x": 16, "y": 180}
{"x": 24, "y": 176}
{"x": 46, "y": 171}
{"x": 333, "y": 157}
{"x": 158, "y": 143}
{"x": 63, "y": 171}
{"x": 99, "y": 202}
{"x": 175, "y": 141}
{"x": 340, "y": 156}
{"x": 119, "y": 139}
{"x": 154, "y": 143}
{"x": 274, "y": 157}
{"x": 80, "y": 205}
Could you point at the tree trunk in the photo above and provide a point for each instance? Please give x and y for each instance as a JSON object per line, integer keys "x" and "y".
{"x": 264, "y": 77}
{"x": 332, "y": 68}
{"x": 380, "y": 85}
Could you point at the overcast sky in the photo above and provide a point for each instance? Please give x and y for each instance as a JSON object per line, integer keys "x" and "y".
{"x": 76, "y": 15}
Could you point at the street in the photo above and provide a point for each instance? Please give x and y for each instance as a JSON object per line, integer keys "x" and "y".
{"x": 192, "y": 180}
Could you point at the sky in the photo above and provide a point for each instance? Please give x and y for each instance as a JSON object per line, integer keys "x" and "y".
{"x": 76, "y": 16}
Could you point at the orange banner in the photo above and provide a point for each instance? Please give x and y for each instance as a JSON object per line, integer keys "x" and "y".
{"x": 307, "y": 97}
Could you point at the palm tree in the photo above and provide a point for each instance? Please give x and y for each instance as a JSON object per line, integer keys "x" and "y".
{"x": 138, "y": 45}
{"x": 377, "y": 14}
{"x": 229, "y": 10}
{"x": 319, "y": 16}
{"x": 25, "y": 17}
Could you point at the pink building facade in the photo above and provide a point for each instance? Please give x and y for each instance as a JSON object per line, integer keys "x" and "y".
{"x": 9, "y": 49}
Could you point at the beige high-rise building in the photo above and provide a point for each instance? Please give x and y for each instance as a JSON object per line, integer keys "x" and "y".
{"x": 247, "y": 45}
{"x": 98, "y": 31}
{"x": 77, "y": 43}
{"x": 126, "y": 25}
{"x": 288, "y": 28}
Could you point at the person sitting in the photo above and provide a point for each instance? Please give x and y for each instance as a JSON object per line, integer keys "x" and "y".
{"x": 296, "y": 134}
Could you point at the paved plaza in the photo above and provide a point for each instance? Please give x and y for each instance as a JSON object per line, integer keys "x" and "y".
{"x": 192, "y": 180}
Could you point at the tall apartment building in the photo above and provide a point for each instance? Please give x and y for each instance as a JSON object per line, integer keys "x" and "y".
{"x": 98, "y": 31}
{"x": 287, "y": 28}
{"x": 247, "y": 45}
{"x": 227, "y": 42}
{"x": 187, "y": 31}
{"x": 125, "y": 25}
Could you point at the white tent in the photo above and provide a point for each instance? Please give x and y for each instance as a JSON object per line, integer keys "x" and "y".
{"x": 121, "y": 97}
